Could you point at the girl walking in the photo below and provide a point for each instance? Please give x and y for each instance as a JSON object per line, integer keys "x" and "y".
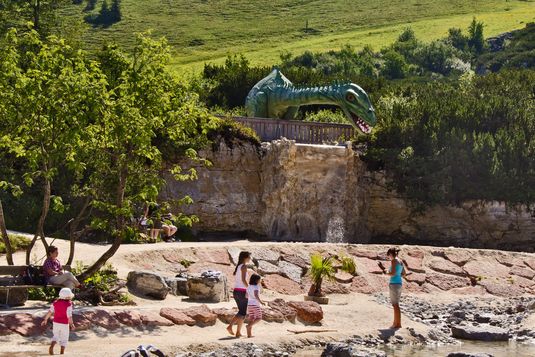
{"x": 254, "y": 311}
{"x": 240, "y": 292}
{"x": 62, "y": 311}
{"x": 396, "y": 271}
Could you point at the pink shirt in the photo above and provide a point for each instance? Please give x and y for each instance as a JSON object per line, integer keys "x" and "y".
{"x": 62, "y": 310}
{"x": 52, "y": 264}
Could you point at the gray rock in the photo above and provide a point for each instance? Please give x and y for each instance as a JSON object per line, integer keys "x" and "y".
{"x": 178, "y": 285}
{"x": 291, "y": 271}
{"x": 338, "y": 349}
{"x": 15, "y": 296}
{"x": 468, "y": 354}
{"x": 208, "y": 286}
{"x": 234, "y": 254}
{"x": 480, "y": 333}
{"x": 147, "y": 284}
{"x": 265, "y": 267}
{"x": 265, "y": 254}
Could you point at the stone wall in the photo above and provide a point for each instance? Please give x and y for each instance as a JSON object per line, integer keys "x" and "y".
{"x": 286, "y": 191}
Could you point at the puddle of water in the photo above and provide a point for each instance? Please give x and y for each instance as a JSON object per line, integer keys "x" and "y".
{"x": 497, "y": 349}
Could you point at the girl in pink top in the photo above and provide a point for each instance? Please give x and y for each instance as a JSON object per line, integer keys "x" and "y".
{"x": 62, "y": 311}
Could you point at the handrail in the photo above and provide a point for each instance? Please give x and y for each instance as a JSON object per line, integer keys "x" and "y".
{"x": 302, "y": 132}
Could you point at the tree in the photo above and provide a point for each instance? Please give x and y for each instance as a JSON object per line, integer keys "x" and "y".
{"x": 476, "y": 40}
{"x": 52, "y": 93}
{"x": 44, "y": 17}
{"x": 395, "y": 65}
{"x": 146, "y": 106}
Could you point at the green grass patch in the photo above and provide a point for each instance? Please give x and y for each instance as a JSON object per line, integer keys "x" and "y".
{"x": 202, "y": 31}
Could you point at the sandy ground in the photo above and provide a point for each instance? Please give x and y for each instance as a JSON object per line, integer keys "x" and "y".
{"x": 353, "y": 314}
{"x": 348, "y": 314}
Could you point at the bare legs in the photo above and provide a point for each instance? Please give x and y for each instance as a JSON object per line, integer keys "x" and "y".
{"x": 154, "y": 233}
{"x": 238, "y": 321}
{"x": 397, "y": 316}
{"x": 249, "y": 327}
{"x": 51, "y": 348}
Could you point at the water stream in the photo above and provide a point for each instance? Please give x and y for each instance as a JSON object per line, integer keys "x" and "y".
{"x": 496, "y": 349}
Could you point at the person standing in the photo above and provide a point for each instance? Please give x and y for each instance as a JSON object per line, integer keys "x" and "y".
{"x": 254, "y": 311}
{"x": 62, "y": 322}
{"x": 396, "y": 271}
{"x": 240, "y": 292}
{"x": 54, "y": 273}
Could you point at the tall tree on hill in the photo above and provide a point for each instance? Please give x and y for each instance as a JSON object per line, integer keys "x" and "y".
{"x": 44, "y": 16}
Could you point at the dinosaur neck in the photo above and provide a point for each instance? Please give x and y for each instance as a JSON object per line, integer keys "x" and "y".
{"x": 309, "y": 96}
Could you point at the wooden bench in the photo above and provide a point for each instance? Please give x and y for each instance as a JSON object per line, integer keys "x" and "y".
{"x": 11, "y": 277}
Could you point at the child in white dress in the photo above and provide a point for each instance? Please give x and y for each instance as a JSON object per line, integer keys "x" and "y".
{"x": 254, "y": 311}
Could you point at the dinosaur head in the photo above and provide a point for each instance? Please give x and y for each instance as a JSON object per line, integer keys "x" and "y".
{"x": 357, "y": 107}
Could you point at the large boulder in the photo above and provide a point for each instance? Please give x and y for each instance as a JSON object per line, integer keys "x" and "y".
{"x": 224, "y": 314}
{"x": 309, "y": 312}
{"x": 178, "y": 285}
{"x": 264, "y": 267}
{"x": 265, "y": 254}
{"x": 271, "y": 315}
{"x": 14, "y": 297}
{"x": 291, "y": 271}
{"x": 282, "y": 306}
{"x": 209, "y": 286}
{"x": 480, "y": 333}
{"x": 147, "y": 284}
{"x": 178, "y": 317}
{"x": 202, "y": 315}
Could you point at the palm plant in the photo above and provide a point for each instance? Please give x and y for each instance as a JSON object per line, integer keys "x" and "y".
{"x": 322, "y": 268}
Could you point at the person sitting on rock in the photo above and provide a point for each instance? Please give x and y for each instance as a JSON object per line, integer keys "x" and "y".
{"x": 54, "y": 273}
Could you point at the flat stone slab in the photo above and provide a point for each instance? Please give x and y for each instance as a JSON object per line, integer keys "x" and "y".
{"x": 102, "y": 318}
{"x": 151, "y": 319}
{"x": 282, "y": 285}
{"x": 480, "y": 333}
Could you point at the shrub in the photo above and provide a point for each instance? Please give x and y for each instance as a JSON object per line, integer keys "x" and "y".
{"x": 18, "y": 242}
{"x": 232, "y": 133}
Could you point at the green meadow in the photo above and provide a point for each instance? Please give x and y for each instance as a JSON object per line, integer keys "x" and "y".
{"x": 208, "y": 30}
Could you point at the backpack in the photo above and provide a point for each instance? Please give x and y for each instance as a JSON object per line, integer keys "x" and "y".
{"x": 33, "y": 275}
{"x": 143, "y": 351}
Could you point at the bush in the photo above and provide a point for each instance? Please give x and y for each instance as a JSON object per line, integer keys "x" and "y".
{"x": 232, "y": 133}
{"x": 395, "y": 65}
{"x": 327, "y": 116}
{"x": 444, "y": 143}
{"x": 18, "y": 242}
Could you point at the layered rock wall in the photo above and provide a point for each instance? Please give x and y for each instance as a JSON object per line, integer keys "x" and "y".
{"x": 287, "y": 191}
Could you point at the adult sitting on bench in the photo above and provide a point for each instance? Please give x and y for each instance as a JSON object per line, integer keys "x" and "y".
{"x": 54, "y": 273}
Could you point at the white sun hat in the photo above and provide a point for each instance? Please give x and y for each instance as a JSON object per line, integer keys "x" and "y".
{"x": 66, "y": 294}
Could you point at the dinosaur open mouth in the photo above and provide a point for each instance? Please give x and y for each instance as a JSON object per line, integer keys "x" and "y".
{"x": 363, "y": 126}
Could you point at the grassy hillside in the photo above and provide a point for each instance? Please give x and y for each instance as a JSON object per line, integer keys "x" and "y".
{"x": 208, "y": 30}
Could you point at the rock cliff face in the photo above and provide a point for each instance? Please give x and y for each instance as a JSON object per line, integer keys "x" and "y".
{"x": 286, "y": 191}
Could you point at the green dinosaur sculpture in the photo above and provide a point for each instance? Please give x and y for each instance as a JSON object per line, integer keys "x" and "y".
{"x": 276, "y": 97}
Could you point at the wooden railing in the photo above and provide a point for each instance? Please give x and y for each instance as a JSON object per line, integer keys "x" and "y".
{"x": 300, "y": 131}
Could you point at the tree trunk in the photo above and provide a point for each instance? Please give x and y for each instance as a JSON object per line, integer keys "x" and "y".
{"x": 119, "y": 231}
{"x": 36, "y": 15}
{"x": 73, "y": 227}
{"x": 5, "y": 237}
{"x": 40, "y": 231}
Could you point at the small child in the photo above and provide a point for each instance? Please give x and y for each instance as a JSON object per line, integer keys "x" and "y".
{"x": 254, "y": 312}
{"x": 62, "y": 311}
